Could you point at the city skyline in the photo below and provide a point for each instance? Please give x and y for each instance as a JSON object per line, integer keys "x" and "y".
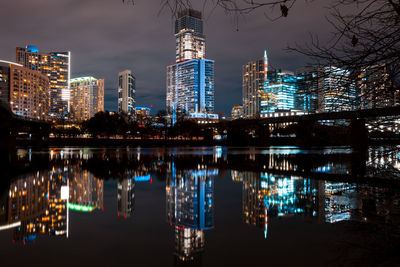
{"x": 103, "y": 57}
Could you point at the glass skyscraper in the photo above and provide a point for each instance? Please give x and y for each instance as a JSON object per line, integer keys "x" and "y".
{"x": 190, "y": 86}
{"x": 279, "y": 92}
{"x": 190, "y": 81}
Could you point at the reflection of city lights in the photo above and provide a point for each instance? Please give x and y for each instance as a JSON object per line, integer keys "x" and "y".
{"x": 77, "y": 207}
{"x": 9, "y": 226}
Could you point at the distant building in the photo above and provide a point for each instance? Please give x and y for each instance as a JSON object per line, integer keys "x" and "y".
{"x": 307, "y": 89}
{"x": 126, "y": 92}
{"x": 25, "y": 90}
{"x": 190, "y": 40}
{"x": 237, "y": 112}
{"x": 376, "y": 88}
{"x": 279, "y": 92}
{"x": 254, "y": 75}
{"x": 87, "y": 97}
{"x": 143, "y": 111}
{"x": 142, "y": 115}
{"x": 336, "y": 91}
{"x": 56, "y": 66}
{"x": 190, "y": 81}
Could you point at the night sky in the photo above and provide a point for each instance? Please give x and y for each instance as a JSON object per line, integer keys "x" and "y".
{"x": 107, "y": 36}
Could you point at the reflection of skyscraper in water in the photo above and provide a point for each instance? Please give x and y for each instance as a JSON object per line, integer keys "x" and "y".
{"x": 85, "y": 190}
{"x": 55, "y": 219}
{"x": 265, "y": 195}
{"x": 27, "y": 201}
{"x": 126, "y": 197}
{"x": 40, "y": 203}
{"x": 190, "y": 211}
{"x": 189, "y": 245}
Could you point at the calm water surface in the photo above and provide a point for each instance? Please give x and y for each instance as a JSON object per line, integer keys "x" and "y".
{"x": 212, "y": 206}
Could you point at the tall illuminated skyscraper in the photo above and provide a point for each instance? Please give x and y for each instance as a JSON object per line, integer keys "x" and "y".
{"x": 87, "y": 97}
{"x": 190, "y": 81}
{"x": 126, "y": 92}
{"x": 190, "y": 40}
{"x": 56, "y": 66}
{"x": 254, "y": 75}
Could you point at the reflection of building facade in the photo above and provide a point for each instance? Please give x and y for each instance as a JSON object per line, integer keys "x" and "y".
{"x": 85, "y": 189}
{"x": 40, "y": 203}
{"x": 265, "y": 196}
{"x": 190, "y": 199}
{"x": 28, "y": 198}
{"x": 189, "y": 245}
{"x": 56, "y": 66}
{"x": 190, "y": 210}
{"x": 126, "y": 197}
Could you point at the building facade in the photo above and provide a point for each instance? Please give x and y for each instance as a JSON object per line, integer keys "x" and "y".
{"x": 307, "y": 89}
{"x": 190, "y": 86}
{"x": 56, "y": 66}
{"x": 86, "y": 97}
{"x": 336, "y": 92}
{"x": 254, "y": 79}
{"x": 190, "y": 81}
{"x": 376, "y": 88}
{"x": 25, "y": 90}
{"x": 190, "y": 40}
{"x": 237, "y": 112}
{"x": 279, "y": 92}
{"x": 126, "y": 92}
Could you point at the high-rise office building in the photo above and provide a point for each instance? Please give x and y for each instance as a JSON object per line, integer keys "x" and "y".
{"x": 190, "y": 86}
{"x": 126, "y": 92}
{"x": 56, "y": 66}
{"x": 279, "y": 92}
{"x": 25, "y": 90}
{"x": 336, "y": 92}
{"x": 307, "y": 88}
{"x": 190, "y": 81}
{"x": 254, "y": 74}
{"x": 190, "y": 40}
{"x": 86, "y": 98}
